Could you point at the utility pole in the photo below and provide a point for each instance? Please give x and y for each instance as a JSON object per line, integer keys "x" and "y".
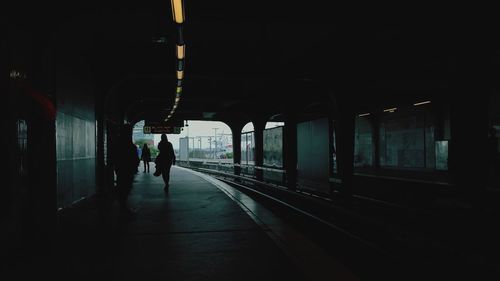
{"x": 215, "y": 141}
{"x": 193, "y": 147}
{"x": 199, "y": 152}
{"x": 210, "y": 144}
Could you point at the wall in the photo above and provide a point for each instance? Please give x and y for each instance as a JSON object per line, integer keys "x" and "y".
{"x": 313, "y": 149}
{"x": 75, "y": 123}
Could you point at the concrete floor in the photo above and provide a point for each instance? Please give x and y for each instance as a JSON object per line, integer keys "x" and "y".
{"x": 200, "y": 230}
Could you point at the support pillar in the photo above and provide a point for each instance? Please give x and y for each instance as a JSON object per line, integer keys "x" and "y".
{"x": 236, "y": 131}
{"x": 290, "y": 151}
{"x": 259, "y": 126}
{"x": 345, "y": 149}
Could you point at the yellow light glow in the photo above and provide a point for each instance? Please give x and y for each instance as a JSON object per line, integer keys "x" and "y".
{"x": 180, "y": 74}
{"x": 179, "y": 90}
{"x": 390, "y": 109}
{"x": 180, "y": 51}
{"x": 421, "y": 103}
{"x": 364, "y": 114}
{"x": 177, "y": 11}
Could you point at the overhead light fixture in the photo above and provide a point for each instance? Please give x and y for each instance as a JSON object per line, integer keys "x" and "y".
{"x": 364, "y": 114}
{"x": 160, "y": 40}
{"x": 179, "y": 83}
{"x": 178, "y": 10}
{"x": 422, "y": 103}
{"x": 179, "y": 90}
{"x": 390, "y": 109}
{"x": 177, "y": 99}
{"x": 180, "y": 51}
{"x": 180, "y": 74}
{"x": 180, "y": 65}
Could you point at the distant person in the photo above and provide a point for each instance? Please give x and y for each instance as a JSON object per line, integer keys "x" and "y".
{"x": 165, "y": 160}
{"x": 126, "y": 163}
{"x": 146, "y": 157}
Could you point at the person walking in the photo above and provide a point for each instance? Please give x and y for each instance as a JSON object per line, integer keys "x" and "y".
{"x": 126, "y": 164}
{"x": 146, "y": 157}
{"x": 165, "y": 160}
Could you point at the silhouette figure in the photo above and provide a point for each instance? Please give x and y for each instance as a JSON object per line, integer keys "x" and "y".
{"x": 126, "y": 166}
{"x": 165, "y": 160}
{"x": 146, "y": 157}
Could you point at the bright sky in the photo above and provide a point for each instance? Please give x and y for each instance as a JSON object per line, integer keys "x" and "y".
{"x": 204, "y": 129}
{"x": 207, "y": 129}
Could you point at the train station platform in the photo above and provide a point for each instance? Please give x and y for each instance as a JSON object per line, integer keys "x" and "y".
{"x": 202, "y": 229}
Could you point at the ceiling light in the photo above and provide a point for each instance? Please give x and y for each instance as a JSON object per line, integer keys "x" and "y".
{"x": 421, "y": 103}
{"x": 177, "y": 10}
{"x": 180, "y": 74}
{"x": 390, "y": 109}
{"x": 364, "y": 114}
{"x": 180, "y": 51}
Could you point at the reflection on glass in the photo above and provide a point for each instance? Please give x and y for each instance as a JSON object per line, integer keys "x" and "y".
{"x": 442, "y": 155}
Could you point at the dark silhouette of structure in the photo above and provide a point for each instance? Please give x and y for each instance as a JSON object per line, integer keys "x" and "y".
{"x": 126, "y": 164}
{"x": 385, "y": 135}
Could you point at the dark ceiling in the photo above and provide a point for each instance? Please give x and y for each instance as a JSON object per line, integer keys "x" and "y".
{"x": 244, "y": 57}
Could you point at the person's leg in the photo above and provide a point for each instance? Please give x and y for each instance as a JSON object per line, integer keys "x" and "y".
{"x": 144, "y": 161}
{"x": 147, "y": 163}
{"x": 124, "y": 188}
{"x": 166, "y": 176}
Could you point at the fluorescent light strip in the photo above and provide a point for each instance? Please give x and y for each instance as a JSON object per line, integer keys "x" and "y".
{"x": 181, "y": 51}
{"x": 178, "y": 17}
{"x": 177, "y": 11}
{"x": 390, "y": 109}
{"x": 422, "y": 103}
{"x": 364, "y": 114}
{"x": 180, "y": 74}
